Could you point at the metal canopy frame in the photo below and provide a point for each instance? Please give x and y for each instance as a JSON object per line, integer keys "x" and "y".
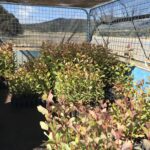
{"x": 72, "y": 3}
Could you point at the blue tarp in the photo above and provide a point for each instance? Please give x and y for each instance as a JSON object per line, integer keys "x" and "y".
{"x": 141, "y": 74}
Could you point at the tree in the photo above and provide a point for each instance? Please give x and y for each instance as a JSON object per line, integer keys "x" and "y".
{"x": 9, "y": 24}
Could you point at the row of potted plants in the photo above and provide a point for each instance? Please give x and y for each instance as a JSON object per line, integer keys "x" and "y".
{"x": 78, "y": 72}
{"x": 91, "y": 102}
{"x": 122, "y": 125}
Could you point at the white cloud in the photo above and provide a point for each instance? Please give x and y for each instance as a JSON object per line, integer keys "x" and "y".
{"x": 25, "y": 13}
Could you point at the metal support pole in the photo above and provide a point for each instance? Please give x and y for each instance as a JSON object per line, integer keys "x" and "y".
{"x": 88, "y": 28}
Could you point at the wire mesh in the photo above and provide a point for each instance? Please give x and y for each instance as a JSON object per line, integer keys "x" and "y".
{"x": 29, "y": 26}
{"x": 124, "y": 27}
{"x": 121, "y": 25}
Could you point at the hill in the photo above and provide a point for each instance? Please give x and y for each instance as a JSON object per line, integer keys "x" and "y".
{"x": 58, "y": 25}
{"x": 9, "y": 24}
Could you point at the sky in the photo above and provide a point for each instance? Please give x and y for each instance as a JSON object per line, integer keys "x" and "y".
{"x": 37, "y": 14}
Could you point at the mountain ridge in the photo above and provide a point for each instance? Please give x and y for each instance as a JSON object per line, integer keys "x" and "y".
{"x": 58, "y": 25}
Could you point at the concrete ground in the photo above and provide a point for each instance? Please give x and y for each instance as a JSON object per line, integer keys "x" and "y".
{"x": 19, "y": 127}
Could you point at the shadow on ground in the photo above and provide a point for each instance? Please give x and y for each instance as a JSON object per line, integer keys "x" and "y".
{"x": 19, "y": 127}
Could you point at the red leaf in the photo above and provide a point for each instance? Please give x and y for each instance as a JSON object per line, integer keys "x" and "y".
{"x": 127, "y": 146}
{"x": 50, "y": 97}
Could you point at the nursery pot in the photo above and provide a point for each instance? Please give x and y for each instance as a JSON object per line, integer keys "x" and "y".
{"x": 26, "y": 100}
{"x": 3, "y": 83}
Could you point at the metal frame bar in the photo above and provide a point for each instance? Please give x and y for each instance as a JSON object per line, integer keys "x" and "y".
{"x": 27, "y": 4}
{"x": 103, "y": 4}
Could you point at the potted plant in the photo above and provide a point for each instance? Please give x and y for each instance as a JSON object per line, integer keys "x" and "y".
{"x": 22, "y": 89}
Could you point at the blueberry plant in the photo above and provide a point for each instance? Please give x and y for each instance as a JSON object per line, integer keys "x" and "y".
{"x": 83, "y": 79}
{"x": 71, "y": 126}
{"x": 7, "y": 60}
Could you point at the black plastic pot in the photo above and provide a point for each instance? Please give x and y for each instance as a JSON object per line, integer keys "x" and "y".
{"x": 3, "y": 83}
{"x": 27, "y": 100}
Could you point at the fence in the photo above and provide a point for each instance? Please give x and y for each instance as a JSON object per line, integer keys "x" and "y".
{"x": 124, "y": 27}
{"x": 121, "y": 25}
{"x": 29, "y": 25}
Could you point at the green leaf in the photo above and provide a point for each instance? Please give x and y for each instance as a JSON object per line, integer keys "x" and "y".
{"x": 48, "y": 146}
{"x": 65, "y": 146}
{"x": 44, "y": 125}
{"x": 48, "y": 74}
{"x": 77, "y": 139}
{"x": 42, "y": 110}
